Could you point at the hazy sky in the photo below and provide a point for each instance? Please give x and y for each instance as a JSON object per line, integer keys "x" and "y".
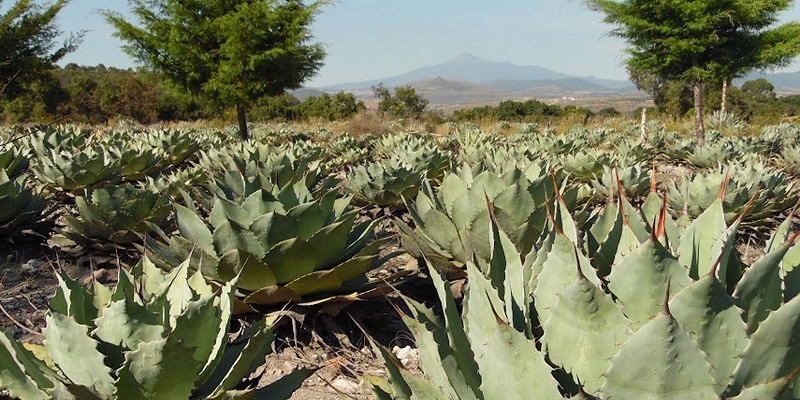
{"x": 371, "y": 39}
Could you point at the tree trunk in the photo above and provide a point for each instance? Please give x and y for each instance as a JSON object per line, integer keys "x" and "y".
{"x": 241, "y": 113}
{"x": 700, "y": 129}
{"x": 724, "y": 106}
{"x": 643, "y": 136}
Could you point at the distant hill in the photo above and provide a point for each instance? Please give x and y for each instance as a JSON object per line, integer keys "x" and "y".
{"x": 470, "y": 79}
{"x": 470, "y": 68}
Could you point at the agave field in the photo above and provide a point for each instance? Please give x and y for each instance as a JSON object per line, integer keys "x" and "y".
{"x": 531, "y": 265}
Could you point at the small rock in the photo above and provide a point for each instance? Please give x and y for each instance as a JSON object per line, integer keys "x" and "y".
{"x": 408, "y": 356}
{"x": 30, "y": 267}
{"x": 345, "y": 385}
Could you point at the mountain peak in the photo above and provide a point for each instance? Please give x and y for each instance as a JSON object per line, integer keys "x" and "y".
{"x": 464, "y": 57}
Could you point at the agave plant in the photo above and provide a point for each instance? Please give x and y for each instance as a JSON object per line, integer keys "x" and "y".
{"x": 661, "y": 327}
{"x": 385, "y": 183}
{"x": 178, "y": 145}
{"x": 789, "y": 160}
{"x": 119, "y": 214}
{"x": 287, "y": 247}
{"x": 138, "y": 162}
{"x": 725, "y": 121}
{"x": 151, "y": 337}
{"x": 635, "y": 181}
{"x": 454, "y": 218}
{"x": 585, "y": 165}
{"x": 20, "y": 207}
{"x": 770, "y": 190}
{"x": 13, "y": 160}
{"x": 63, "y": 171}
{"x": 711, "y": 154}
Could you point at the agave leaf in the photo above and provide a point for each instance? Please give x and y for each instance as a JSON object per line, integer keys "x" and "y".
{"x": 281, "y": 389}
{"x": 229, "y": 236}
{"x": 159, "y": 369}
{"x": 773, "y": 352}
{"x": 456, "y": 334}
{"x": 289, "y": 260}
{"x": 584, "y": 330}
{"x": 334, "y": 278}
{"x": 405, "y": 385}
{"x": 241, "y": 358}
{"x": 660, "y": 361}
{"x": 73, "y": 299}
{"x": 651, "y": 214}
{"x": 330, "y": 242}
{"x": 273, "y": 228}
{"x": 193, "y": 228}
{"x": 127, "y": 324}
{"x": 71, "y": 348}
{"x": 711, "y": 317}
{"x": 759, "y": 291}
{"x": 226, "y": 300}
{"x": 509, "y": 364}
{"x": 700, "y": 244}
{"x": 558, "y": 273}
{"x": 21, "y": 374}
{"x": 273, "y": 296}
{"x": 771, "y": 390}
{"x": 507, "y": 275}
{"x": 642, "y": 278}
{"x": 437, "y": 361}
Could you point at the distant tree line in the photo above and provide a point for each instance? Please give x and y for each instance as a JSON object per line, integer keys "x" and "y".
{"x": 755, "y": 100}
{"x": 97, "y": 95}
{"x": 515, "y": 111}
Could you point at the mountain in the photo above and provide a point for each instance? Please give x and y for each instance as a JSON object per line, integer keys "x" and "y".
{"x": 471, "y": 68}
{"x": 468, "y": 78}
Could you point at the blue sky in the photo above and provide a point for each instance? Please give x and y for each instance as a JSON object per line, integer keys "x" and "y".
{"x": 371, "y": 39}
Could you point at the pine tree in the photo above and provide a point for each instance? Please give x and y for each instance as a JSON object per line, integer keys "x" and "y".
{"x": 700, "y": 41}
{"x": 228, "y": 53}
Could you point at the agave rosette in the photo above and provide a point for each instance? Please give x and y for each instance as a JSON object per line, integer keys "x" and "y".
{"x": 63, "y": 171}
{"x": 119, "y": 214}
{"x": 635, "y": 181}
{"x": 153, "y": 336}
{"x": 20, "y": 206}
{"x": 385, "y": 183}
{"x": 771, "y": 191}
{"x": 287, "y": 247}
{"x": 453, "y": 218}
{"x": 13, "y": 160}
{"x": 659, "y": 324}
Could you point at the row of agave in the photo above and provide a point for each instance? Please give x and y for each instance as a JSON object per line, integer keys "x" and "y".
{"x": 259, "y": 223}
{"x": 69, "y": 162}
{"x": 625, "y": 310}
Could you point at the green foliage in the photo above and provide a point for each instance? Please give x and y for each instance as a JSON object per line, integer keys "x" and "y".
{"x": 20, "y": 206}
{"x": 28, "y": 36}
{"x": 699, "y": 41}
{"x": 405, "y": 103}
{"x": 663, "y": 326}
{"x": 154, "y": 336}
{"x": 509, "y": 110}
{"x": 202, "y": 48}
{"x": 386, "y": 183}
{"x": 285, "y": 244}
{"x": 119, "y": 214}
{"x": 774, "y": 192}
{"x": 451, "y": 222}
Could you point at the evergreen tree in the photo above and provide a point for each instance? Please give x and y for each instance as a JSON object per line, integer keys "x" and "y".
{"x": 699, "y": 41}
{"x": 225, "y": 52}
{"x": 28, "y": 47}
